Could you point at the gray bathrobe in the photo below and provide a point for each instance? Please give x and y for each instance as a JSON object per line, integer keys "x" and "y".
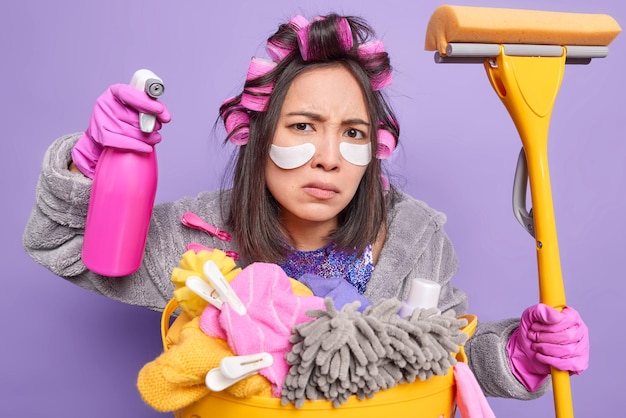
{"x": 416, "y": 246}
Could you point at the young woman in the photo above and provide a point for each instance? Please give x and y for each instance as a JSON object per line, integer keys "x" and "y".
{"x": 308, "y": 193}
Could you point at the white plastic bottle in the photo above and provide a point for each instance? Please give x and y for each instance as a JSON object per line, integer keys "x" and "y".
{"x": 423, "y": 294}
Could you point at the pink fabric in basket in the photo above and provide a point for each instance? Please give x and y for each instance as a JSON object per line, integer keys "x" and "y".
{"x": 272, "y": 311}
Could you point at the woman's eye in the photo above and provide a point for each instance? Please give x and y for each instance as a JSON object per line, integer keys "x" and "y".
{"x": 354, "y": 133}
{"x": 302, "y": 127}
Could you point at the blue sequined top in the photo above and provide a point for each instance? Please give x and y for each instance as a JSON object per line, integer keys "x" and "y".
{"x": 330, "y": 262}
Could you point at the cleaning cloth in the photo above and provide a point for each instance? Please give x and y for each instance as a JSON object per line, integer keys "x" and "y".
{"x": 176, "y": 378}
{"x": 345, "y": 352}
{"x": 338, "y": 289}
{"x": 272, "y": 311}
{"x": 469, "y": 397}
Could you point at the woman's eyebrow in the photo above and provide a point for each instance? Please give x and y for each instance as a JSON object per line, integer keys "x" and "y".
{"x": 318, "y": 117}
{"x": 356, "y": 121}
{"x": 310, "y": 115}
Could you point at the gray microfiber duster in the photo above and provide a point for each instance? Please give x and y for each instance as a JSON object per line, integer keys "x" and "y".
{"x": 346, "y": 352}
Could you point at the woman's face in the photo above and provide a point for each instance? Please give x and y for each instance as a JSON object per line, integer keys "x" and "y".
{"x": 324, "y": 107}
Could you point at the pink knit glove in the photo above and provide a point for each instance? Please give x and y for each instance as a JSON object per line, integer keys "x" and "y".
{"x": 115, "y": 123}
{"x": 548, "y": 338}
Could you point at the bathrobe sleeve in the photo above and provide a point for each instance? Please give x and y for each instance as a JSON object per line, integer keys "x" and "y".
{"x": 54, "y": 232}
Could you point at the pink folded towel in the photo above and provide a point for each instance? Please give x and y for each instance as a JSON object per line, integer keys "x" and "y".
{"x": 272, "y": 311}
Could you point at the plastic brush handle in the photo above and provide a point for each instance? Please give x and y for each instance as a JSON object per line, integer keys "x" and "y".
{"x": 528, "y": 87}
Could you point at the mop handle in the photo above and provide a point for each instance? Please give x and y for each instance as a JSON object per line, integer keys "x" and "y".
{"x": 528, "y": 87}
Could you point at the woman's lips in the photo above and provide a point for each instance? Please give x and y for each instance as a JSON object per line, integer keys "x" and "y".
{"x": 322, "y": 191}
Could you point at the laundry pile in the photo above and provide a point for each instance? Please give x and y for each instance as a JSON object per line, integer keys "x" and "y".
{"x": 309, "y": 347}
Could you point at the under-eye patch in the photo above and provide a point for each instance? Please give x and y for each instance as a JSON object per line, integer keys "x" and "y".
{"x": 296, "y": 156}
{"x": 357, "y": 154}
{"x": 292, "y": 157}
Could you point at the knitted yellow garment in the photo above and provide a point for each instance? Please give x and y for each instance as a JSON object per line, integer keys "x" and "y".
{"x": 176, "y": 378}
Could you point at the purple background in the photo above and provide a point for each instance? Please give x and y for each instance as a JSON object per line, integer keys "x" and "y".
{"x": 67, "y": 352}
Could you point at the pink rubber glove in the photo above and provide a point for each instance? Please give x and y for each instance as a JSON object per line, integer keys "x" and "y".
{"x": 115, "y": 123}
{"x": 548, "y": 338}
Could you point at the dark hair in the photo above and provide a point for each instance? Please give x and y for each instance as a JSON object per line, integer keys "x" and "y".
{"x": 253, "y": 214}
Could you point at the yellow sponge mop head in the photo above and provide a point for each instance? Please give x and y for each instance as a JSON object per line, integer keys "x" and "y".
{"x": 449, "y": 24}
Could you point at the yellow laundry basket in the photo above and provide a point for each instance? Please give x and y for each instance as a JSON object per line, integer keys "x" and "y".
{"x": 433, "y": 398}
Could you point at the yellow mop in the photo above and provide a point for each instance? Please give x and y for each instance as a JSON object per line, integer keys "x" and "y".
{"x": 524, "y": 53}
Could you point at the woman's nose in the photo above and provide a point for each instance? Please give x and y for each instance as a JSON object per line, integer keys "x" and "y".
{"x": 327, "y": 154}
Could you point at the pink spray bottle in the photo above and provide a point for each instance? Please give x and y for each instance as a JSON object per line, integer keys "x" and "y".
{"x": 122, "y": 197}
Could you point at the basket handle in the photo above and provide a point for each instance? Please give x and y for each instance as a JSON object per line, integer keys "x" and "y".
{"x": 472, "y": 322}
{"x": 171, "y": 306}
